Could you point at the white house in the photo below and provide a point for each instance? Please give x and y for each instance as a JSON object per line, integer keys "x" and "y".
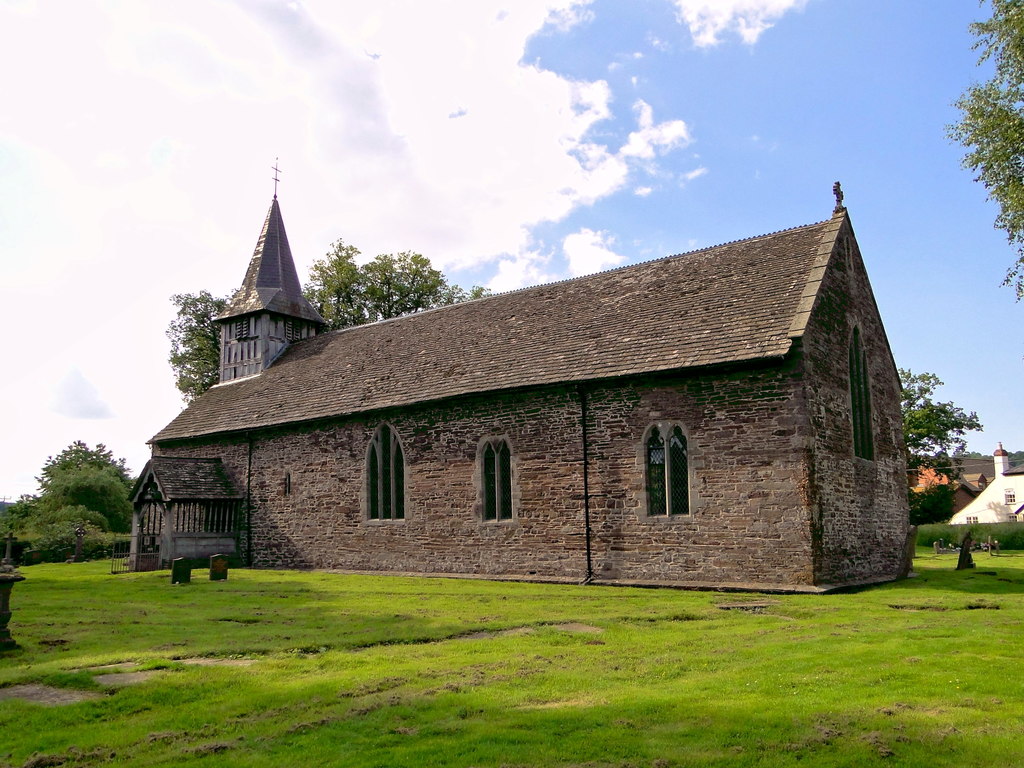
{"x": 1002, "y": 500}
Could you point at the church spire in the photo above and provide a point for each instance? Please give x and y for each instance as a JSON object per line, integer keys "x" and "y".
{"x": 268, "y": 311}
{"x": 271, "y": 282}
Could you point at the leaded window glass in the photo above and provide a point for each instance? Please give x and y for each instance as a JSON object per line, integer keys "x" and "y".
{"x": 497, "y": 480}
{"x": 385, "y": 476}
{"x": 655, "y": 473}
{"x": 668, "y": 472}
{"x": 860, "y": 400}
{"x": 678, "y": 474}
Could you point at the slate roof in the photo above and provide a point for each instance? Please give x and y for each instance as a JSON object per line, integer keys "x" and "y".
{"x": 185, "y": 478}
{"x": 738, "y": 302}
{"x": 271, "y": 282}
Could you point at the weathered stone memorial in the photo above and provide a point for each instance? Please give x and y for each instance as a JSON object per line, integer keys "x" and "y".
{"x": 966, "y": 559}
{"x": 9, "y": 576}
{"x": 218, "y": 568}
{"x": 181, "y": 571}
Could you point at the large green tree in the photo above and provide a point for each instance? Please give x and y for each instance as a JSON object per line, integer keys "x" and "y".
{"x": 78, "y": 485}
{"x": 934, "y": 433}
{"x": 79, "y": 456}
{"x": 991, "y": 125}
{"x": 391, "y": 285}
{"x": 195, "y": 342}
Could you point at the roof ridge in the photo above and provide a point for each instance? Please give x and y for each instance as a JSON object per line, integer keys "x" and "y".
{"x": 577, "y": 278}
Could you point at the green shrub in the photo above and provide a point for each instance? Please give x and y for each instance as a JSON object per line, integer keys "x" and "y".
{"x": 1009, "y": 535}
{"x": 56, "y": 539}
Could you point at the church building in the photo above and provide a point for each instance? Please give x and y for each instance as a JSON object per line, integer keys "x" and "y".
{"x": 724, "y": 418}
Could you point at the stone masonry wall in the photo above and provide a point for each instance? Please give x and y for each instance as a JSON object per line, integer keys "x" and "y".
{"x": 750, "y": 504}
{"x": 860, "y": 505}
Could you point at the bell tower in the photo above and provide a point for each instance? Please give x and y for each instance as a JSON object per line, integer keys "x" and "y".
{"x": 269, "y": 311}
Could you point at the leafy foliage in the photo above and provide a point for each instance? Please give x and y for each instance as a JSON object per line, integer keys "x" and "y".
{"x": 934, "y": 435}
{"x": 97, "y": 490}
{"x": 991, "y": 126}
{"x": 933, "y": 504}
{"x": 195, "y": 342}
{"x": 1009, "y": 535}
{"x": 933, "y": 431}
{"x": 78, "y": 485}
{"x": 78, "y": 456}
{"x": 390, "y": 285}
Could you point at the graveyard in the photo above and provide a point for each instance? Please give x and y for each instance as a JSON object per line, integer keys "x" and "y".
{"x": 270, "y": 668}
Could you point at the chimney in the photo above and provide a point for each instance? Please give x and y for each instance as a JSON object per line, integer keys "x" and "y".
{"x": 1002, "y": 460}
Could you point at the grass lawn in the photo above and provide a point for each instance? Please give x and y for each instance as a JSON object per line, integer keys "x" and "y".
{"x": 387, "y": 671}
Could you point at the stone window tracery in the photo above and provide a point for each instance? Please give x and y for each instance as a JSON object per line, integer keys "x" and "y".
{"x": 667, "y": 466}
{"x": 385, "y": 476}
{"x": 496, "y": 460}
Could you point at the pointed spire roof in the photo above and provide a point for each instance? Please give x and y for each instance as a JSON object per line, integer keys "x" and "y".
{"x": 271, "y": 282}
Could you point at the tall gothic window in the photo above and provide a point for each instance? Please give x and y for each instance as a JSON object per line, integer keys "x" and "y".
{"x": 668, "y": 473}
{"x": 385, "y": 476}
{"x": 497, "y": 478}
{"x": 860, "y": 399}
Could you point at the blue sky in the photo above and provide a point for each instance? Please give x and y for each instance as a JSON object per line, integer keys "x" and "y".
{"x": 511, "y": 143}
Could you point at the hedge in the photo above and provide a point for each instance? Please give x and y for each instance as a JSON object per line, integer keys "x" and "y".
{"x": 1009, "y": 535}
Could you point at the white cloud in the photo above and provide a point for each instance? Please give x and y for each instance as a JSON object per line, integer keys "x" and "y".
{"x": 654, "y": 138}
{"x": 146, "y": 169}
{"x": 709, "y": 19}
{"x": 77, "y": 398}
{"x": 588, "y": 251}
{"x": 643, "y": 191}
{"x": 696, "y": 173}
{"x": 523, "y": 269}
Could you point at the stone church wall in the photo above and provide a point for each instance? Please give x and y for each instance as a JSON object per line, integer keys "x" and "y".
{"x": 860, "y": 505}
{"x": 750, "y": 494}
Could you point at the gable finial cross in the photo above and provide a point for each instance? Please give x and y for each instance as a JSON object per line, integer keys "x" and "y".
{"x": 276, "y": 171}
{"x": 837, "y": 190}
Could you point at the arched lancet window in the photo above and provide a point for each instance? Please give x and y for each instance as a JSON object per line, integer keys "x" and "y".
{"x": 497, "y": 477}
{"x": 385, "y": 476}
{"x": 860, "y": 399}
{"x": 668, "y": 473}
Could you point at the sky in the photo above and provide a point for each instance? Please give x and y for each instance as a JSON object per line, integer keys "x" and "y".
{"x": 512, "y": 142}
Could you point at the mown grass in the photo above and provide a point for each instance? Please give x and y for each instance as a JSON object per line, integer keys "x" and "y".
{"x": 388, "y": 671}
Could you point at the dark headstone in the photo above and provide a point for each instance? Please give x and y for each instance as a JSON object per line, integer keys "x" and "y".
{"x": 966, "y": 560}
{"x": 181, "y": 571}
{"x": 909, "y": 550}
{"x": 218, "y": 568}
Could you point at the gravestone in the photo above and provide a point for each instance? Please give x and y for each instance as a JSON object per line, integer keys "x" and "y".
{"x": 9, "y": 576}
{"x": 938, "y": 547}
{"x": 218, "y": 568}
{"x": 181, "y": 571}
{"x": 966, "y": 560}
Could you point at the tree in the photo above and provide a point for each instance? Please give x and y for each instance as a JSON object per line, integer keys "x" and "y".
{"x": 991, "y": 126}
{"x": 934, "y": 435}
{"x": 81, "y": 477}
{"x": 335, "y": 287}
{"x": 98, "y": 490}
{"x": 195, "y": 342}
{"x": 389, "y": 286}
{"x": 79, "y": 456}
